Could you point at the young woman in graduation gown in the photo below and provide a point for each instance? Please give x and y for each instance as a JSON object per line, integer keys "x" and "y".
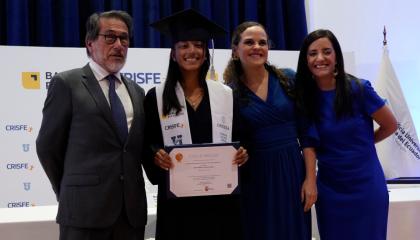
{"x": 200, "y": 106}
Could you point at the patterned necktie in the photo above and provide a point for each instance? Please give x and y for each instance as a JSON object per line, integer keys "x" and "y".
{"x": 117, "y": 109}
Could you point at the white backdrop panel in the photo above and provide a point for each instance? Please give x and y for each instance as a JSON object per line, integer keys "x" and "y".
{"x": 26, "y": 74}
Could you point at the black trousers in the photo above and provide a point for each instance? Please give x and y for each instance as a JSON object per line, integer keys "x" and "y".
{"x": 120, "y": 230}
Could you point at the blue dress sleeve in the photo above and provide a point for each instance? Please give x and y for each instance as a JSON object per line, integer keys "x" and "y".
{"x": 290, "y": 75}
{"x": 371, "y": 100}
{"x": 309, "y": 136}
{"x": 288, "y": 72}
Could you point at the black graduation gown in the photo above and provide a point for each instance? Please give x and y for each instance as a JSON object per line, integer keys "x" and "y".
{"x": 198, "y": 218}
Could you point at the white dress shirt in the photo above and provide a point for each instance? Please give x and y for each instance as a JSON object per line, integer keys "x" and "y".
{"x": 120, "y": 88}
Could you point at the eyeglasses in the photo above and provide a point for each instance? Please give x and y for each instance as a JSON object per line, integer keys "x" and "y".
{"x": 112, "y": 38}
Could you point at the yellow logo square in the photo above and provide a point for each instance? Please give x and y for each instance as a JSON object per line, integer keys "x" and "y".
{"x": 31, "y": 80}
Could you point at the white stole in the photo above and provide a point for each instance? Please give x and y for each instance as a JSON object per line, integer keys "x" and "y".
{"x": 176, "y": 127}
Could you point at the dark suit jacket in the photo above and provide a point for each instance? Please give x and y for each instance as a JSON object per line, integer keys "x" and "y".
{"x": 92, "y": 172}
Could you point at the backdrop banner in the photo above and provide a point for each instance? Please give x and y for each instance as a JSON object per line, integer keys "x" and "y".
{"x": 27, "y": 72}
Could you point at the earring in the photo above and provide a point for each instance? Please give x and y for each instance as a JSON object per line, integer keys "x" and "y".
{"x": 335, "y": 71}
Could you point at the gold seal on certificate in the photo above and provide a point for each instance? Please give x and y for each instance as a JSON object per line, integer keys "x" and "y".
{"x": 178, "y": 157}
{"x": 203, "y": 170}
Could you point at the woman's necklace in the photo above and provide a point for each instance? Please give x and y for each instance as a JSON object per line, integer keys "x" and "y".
{"x": 195, "y": 99}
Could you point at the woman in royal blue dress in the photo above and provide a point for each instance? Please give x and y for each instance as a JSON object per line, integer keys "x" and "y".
{"x": 352, "y": 194}
{"x": 276, "y": 191}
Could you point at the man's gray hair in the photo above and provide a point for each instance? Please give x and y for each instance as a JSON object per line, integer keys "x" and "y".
{"x": 93, "y": 26}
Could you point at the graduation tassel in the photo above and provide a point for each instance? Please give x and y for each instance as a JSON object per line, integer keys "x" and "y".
{"x": 212, "y": 71}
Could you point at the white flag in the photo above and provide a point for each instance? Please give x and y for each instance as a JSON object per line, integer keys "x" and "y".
{"x": 400, "y": 153}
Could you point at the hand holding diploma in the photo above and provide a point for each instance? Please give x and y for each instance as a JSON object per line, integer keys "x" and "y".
{"x": 163, "y": 160}
{"x": 241, "y": 156}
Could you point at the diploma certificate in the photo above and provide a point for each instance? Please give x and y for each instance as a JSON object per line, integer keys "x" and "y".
{"x": 202, "y": 170}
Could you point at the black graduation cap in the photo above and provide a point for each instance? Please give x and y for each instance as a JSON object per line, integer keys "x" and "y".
{"x": 188, "y": 25}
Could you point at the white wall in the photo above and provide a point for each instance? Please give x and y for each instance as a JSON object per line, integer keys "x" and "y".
{"x": 358, "y": 25}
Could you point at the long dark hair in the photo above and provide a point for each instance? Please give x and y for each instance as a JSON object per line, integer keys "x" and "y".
{"x": 233, "y": 71}
{"x": 306, "y": 87}
{"x": 169, "y": 98}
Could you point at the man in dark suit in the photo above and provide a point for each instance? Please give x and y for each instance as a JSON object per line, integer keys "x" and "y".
{"x": 91, "y": 138}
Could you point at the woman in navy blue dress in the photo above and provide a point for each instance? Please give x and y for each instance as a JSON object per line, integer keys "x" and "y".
{"x": 278, "y": 187}
{"x": 352, "y": 194}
